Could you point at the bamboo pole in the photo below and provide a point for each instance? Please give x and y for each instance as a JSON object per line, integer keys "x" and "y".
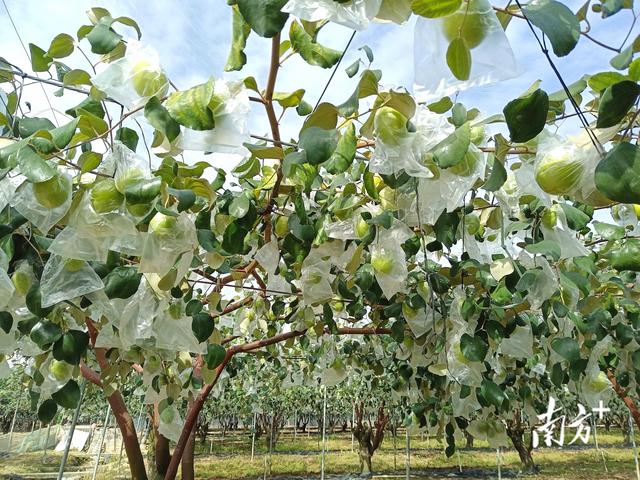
{"x": 407, "y": 454}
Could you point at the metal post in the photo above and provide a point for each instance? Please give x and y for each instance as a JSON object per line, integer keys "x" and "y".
{"x": 13, "y": 421}
{"x": 253, "y": 437}
{"x": 353, "y": 422}
{"x": 324, "y": 428}
{"x": 408, "y": 454}
{"x": 595, "y": 437}
{"x": 395, "y": 436}
{"x": 499, "y": 463}
{"x": 635, "y": 449}
{"x": 295, "y": 425}
{"x": 67, "y": 447}
{"x": 139, "y": 422}
{"x": 105, "y": 425}
{"x": 46, "y": 442}
{"x": 459, "y": 462}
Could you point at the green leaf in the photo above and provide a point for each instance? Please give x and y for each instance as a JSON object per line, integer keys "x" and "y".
{"x": 47, "y": 411}
{"x": 459, "y": 58}
{"x": 40, "y": 61}
{"x": 240, "y": 206}
{"x": 600, "y": 81}
{"x": 122, "y": 282}
{"x": 192, "y": 107}
{"x": 325, "y": 116}
{"x": 546, "y": 248}
{"x": 609, "y": 231}
{"x": 435, "y": 8}
{"x": 30, "y": 125}
{"x": 89, "y": 161}
{"x": 623, "y": 59}
{"x": 288, "y": 100}
{"x": 233, "y": 238}
{"x": 34, "y": 167}
{"x": 313, "y": 53}
{"x": 61, "y": 46}
{"x": 202, "y": 325}
{"x": 159, "y": 118}
{"x": 345, "y": 152}
{"x": 616, "y": 102}
{"x": 186, "y": 198}
{"x": 240, "y": 31}
{"x": 576, "y": 219}
{"x": 526, "y": 116}
{"x": 492, "y": 393}
{"x": 617, "y": 176}
{"x": 6, "y": 321}
{"x": 557, "y": 22}
{"x": 71, "y": 346}
{"x": 168, "y": 280}
{"x": 445, "y": 228}
{"x": 33, "y": 301}
{"x": 567, "y": 348}
{"x": 318, "y": 144}
{"x": 352, "y": 69}
{"x": 45, "y": 333}
{"x": 142, "y": 191}
{"x": 68, "y": 396}
{"x": 215, "y": 355}
{"x": 264, "y": 16}
{"x": 473, "y": 348}
{"x": 497, "y": 177}
{"x": 452, "y": 150}
{"x": 61, "y": 136}
{"x": 129, "y": 137}
{"x": 102, "y": 38}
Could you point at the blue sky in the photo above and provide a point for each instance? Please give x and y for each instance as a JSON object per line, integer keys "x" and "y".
{"x": 193, "y": 36}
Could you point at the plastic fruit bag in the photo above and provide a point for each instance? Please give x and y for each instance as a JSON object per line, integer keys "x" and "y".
{"x": 398, "y": 149}
{"x": 44, "y": 203}
{"x": 134, "y": 78}
{"x": 231, "y": 129}
{"x": 354, "y": 14}
{"x": 447, "y": 190}
{"x": 170, "y": 241}
{"x": 65, "y": 279}
{"x": 492, "y": 59}
{"x": 176, "y": 334}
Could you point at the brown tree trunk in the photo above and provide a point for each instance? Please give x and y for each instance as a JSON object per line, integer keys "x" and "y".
{"x": 622, "y": 393}
{"x": 469, "y": 439}
{"x": 129, "y": 436}
{"x": 515, "y": 431}
{"x": 369, "y": 436}
{"x": 365, "y": 460}
{"x": 162, "y": 453}
{"x": 188, "y": 467}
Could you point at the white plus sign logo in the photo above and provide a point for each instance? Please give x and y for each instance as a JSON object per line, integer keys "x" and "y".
{"x": 600, "y": 410}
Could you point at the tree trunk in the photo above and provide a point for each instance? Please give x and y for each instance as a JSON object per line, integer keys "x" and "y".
{"x": 469, "y": 439}
{"x": 162, "y": 453}
{"x": 622, "y": 393}
{"x": 365, "y": 460}
{"x": 188, "y": 470}
{"x": 129, "y": 436}
{"x": 515, "y": 431}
